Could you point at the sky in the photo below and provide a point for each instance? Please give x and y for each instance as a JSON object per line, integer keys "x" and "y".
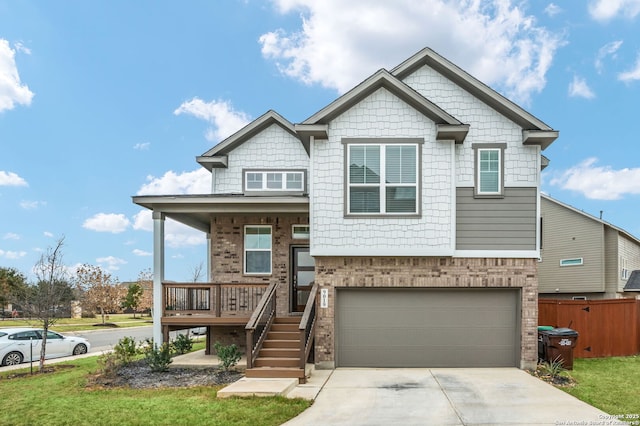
{"x": 103, "y": 100}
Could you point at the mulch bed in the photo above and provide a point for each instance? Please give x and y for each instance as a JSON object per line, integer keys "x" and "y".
{"x": 138, "y": 375}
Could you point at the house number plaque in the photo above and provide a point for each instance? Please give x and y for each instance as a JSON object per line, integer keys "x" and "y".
{"x": 324, "y": 298}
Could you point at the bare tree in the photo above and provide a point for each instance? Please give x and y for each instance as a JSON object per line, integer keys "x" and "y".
{"x": 100, "y": 291}
{"x": 51, "y": 292}
{"x": 196, "y": 272}
{"x": 145, "y": 281}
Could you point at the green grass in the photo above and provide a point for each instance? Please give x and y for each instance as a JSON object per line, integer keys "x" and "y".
{"x": 62, "y": 398}
{"x": 79, "y": 324}
{"x": 610, "y": 384}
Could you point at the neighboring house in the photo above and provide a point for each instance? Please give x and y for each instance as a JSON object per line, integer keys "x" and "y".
{"x": 583, "y": 256}
{"x": 411, "y": 202}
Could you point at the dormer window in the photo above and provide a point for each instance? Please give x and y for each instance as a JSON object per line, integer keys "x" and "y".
{"x": 272, "y": 181}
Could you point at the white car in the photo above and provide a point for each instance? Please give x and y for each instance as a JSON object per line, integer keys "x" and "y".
{"x": 19, "y": 345}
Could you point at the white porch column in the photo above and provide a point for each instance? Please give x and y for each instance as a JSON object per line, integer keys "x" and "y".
{"x": 158, "y": 275}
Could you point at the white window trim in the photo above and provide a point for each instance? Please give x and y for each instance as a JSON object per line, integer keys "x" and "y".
{"x": 245, "y": 250}
{"x": 283, "y": 178}
{"x": 477, "y": 147}
{"x": 478, "y": 172}
{"x": 576, "y": 261}
{"x": 382, "y": 186}
{"x": 298, "y": 235}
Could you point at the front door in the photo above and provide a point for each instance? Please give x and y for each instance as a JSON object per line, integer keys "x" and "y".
{"x": 302, "y": 275}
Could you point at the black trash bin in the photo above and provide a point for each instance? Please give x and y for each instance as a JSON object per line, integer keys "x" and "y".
{"x": 559, "y": 344}
{"x": 541, "y": 351}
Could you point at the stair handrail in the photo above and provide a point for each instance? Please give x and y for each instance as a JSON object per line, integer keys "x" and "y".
{"x": 307, "y": 326}
{"x": 264, "y": 312}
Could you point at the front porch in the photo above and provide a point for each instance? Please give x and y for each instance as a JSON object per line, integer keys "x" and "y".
{"x": 276, "y": 346}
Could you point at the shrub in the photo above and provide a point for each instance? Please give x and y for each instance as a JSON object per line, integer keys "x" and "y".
{"x": 108, "y": 364}
{"x": 182, "y": 344}
{"x": 158, "y": 358}
{"x": 228, "y": 355}
{"x": 126, "y": 350}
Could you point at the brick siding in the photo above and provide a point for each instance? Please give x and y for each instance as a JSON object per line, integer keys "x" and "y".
{"x": 227, "y": 252}
{"x": 443, "y": 272}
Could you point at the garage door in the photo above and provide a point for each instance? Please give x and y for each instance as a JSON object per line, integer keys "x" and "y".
{"x": 427, "y": 328}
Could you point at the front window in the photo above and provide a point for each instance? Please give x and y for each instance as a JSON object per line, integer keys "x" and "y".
{"x": 257, "y": 250}
{"x": 382, "y": 179}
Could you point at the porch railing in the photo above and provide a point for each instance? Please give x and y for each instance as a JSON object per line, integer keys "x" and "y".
{"x": 260, "y": 322}
{"x": 211, "y": 299}
{"x": 307, "y": 326}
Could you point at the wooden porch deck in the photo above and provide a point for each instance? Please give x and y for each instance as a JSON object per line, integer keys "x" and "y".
{"x": 206, "y": 304}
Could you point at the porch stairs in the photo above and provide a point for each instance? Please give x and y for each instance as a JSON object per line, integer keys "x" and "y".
{"x": 280, "y": 353}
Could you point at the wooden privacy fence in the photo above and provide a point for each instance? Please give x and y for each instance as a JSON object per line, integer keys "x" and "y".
{"x": 605, "y": 327}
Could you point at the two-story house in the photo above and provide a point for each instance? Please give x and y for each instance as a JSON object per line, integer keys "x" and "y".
{"x": 407, "y": 208}
{"x": 583, "y": 256}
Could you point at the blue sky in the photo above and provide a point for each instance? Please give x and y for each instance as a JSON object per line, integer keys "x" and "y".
{"x": 103, "y": 100}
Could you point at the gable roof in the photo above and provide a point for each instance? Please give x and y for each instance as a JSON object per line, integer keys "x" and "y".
{"x": 587, "y": 215}
{"x": 535, "y": 130}
{"x": 217, "y": 156}
{"x": 633, "y": 283}
{"x": 449, "y": 127}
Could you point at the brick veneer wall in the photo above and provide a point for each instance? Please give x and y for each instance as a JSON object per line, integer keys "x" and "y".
{"x": 332, "y": 272}
{"x": 227, "y": 252}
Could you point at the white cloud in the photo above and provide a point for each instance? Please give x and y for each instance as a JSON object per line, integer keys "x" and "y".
{"x": 11, "y": 236}
{"x": 604, "y": 10}
{"x": 9, "y": 178}
{"x": 20, "y": 47}
{"x": 107, "y": 222}
{"x": 143, "y": 221}
{"x": 632, "y": 74}
{"x": 175, "y": 234}
{"x": 599, "y": 182}
{"x": 552, "y": 9}
{"x": 195, "y": 182}
{"x": 32, "y": 205}
{"x": 578, "y": 88}
{"x": 142, "y": 146}
{"x": 111, "y": 263}
{"x": 12, "y": 91}
{"x": 219, "y": 114}
{"x": 139, "y": 252}
{"x": 48, "y": 234}
{"x": 12, "y": 254}
{"x": 609, "y": 49}
{"x": 493, "y": 40}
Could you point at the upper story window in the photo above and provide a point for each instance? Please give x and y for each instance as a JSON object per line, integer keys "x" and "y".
{"x": 274, "y": 181}
{"x": 489, "y": 179}
{"x": 578, "y": 261}
{"x": 382, "y": 178}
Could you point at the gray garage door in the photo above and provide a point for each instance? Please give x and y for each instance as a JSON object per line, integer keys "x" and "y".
{"x": 427, "y": 328}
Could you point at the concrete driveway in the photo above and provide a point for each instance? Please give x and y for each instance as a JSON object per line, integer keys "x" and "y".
{"x": 443, "y": 396}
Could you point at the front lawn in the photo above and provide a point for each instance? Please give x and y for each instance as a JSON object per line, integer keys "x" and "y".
{"x": 78, "y": 324}
{"x": 610, "y": 384}
{"x": 62, "y": 397}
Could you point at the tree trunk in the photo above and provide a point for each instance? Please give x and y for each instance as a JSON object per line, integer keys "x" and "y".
{"x": 102, "y": 314}
{"x": 43, "y": 348}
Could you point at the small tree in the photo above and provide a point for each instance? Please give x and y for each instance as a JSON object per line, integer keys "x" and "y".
{"x": 132, "y": 299}
{"x": 44, "y": 299}
{"x": 99, "y": 290}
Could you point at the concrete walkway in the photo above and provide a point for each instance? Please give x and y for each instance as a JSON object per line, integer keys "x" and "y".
{"x": 488, "y": 396}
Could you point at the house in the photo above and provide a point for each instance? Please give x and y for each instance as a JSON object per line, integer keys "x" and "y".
{"x": 395, "y": 227}
{"x": 584, "y": 257}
